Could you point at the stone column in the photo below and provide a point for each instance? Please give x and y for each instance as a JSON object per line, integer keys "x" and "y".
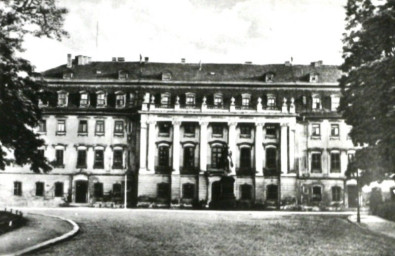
{"x": 176, "y": 147}
{"x": 151, "y": 146}
{"x": 232, "y": 145}
{"x": 203, "y": 145}
{"x": 259, "y": 154}
{"x": 292, "y": 148}
{"x": 143, "y": 146}
{"x": 284, "y": 149}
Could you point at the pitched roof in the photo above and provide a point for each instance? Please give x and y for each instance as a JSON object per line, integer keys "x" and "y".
{"x": 198, "y": 72}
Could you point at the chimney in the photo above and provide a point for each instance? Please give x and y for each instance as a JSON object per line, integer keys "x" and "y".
{"x": 121, "y": 59}
{"x": 317, "y": 63}
{"x": 248, "y": 62}
{"x": 146, "y": 59}
{"x": 287, "y": 63}
{"x": 114, "y": 59}
{"x": 182, "y": 60}
{"x": 69, "y": 61}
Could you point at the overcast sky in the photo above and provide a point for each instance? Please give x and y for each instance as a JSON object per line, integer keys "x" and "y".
{"x": 223, "y": 31}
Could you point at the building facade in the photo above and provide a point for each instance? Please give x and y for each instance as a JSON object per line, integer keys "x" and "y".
{"x": 189, "y": 135}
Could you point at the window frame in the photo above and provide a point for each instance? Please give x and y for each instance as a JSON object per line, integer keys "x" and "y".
{"x": 101, "y": 102}
{"x": 316, "y": 164}
{"x": 61, "y": 123}
{"x": 57, "y": 189}
{"x": 189, "y": 130}
{"x": 314, "y": 128}
{"x": 117, "y": 161}
{"x": 245, "y": 131}
{"x": 190, "y": 99}
{"x": 18, "y": 188}
{"x": 96, "y": 163}
{"x": 42, "y": 126}
{"x": 336, "y": 193}
{"x": 316, "y": 197}
{"x": 81, "y": 158}
{"x": 120, "y": 97}
{"x": 335, "y": 162}
{"x": 316, "y": 99}
{"x": 59, "y": 163}
{"x": 40, "y": 189}
{"x": 97, "y": 131}
{"x": 98, "y": 189}
{"x": 188, "y": 191}
{"x": 217, "y": 130}
{"x": 83, "y": 127}
{"x": 117, "y": 125}
{"x": 84, "y": 102}
{"x": 335, "y": 130}
{"x": 164, "y": 129}
{"x": 62, "y": 100}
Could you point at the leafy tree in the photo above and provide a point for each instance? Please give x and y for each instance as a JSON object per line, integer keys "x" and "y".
{"x": 368, "y": 86}
{"x": 19, "y": 90}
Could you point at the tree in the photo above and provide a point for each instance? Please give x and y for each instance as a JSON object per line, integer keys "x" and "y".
{"x": 20, "y": 92}
{"x": 368, "y": 86}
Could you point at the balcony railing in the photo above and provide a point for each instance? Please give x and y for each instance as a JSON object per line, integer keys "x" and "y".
{"x": 163, "y": 169}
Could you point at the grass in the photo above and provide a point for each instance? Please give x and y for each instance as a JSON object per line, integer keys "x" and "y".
{"x": 5, "y": 218}
{"x": 212, "y": 233}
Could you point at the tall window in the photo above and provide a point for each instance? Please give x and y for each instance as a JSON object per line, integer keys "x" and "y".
{"x": 101, "y": 100}
{"x": 218, "y": 130}
{"x": 99, "y": 129}
{"x": 316, "y": 194}
{"x": 316, "y": 162}
{"x": 246, "y": 192}
{"x": 39, "y": 188}
{"x": 245, "y": 131}
{"x": 217, "y": 153}
{"x": 163, "y": 160}
{"x": 118, "y": 128}
{"x": 271, "y": 158}
{"x": 81, "y": 158}
{"x": 120, "y": 100}
{"x": 336, "y": 193}
{"x": 62, "y": 99}
{"x": 316, "y": 130}
{"x": 17, "y": 188}
{"x": 334, "y": 130}
{"x": 245, "y": 158}
{"x": 42, "y": 126}
{"x": 99, "y": 159}
{"x": 61, "y": 128}
{"x": 188, "y": 191}
{"x": 316, "y": 102}
{"x": 83, "y": 127}
{"x": 98, "y": 189}
{"x": 59, "y": 158}
{"x": 59, "y": 189}
{"x": 118, "y": 159}
{"x": 189, "y": 157}
{"x": 335, "y": 162}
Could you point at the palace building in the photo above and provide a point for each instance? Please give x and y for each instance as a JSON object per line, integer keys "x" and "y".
{"x": 189, "y": 135}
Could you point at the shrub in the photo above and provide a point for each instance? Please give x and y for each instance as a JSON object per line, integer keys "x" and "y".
{"x": 387, "y": 211}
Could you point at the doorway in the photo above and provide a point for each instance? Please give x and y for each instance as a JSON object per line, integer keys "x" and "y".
{"x": 352, "y": 196}
{"x": 81, "y": 191}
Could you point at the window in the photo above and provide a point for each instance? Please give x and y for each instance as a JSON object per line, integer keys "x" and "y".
{"x": 245, "y": 158}
{"x": 189, "y": 130}
{"x": 246, "y": 192}
{"x": 118, "y": 128}
{"x": 120, "y": 100}
{"x": 117, "y": 189}
{"x": 163, "y": 160}
{"x": 165, "y": 99}
{"x": 316, "y": 162}
{"x": 101, "y": 100}
{"x": 217, "y": 154}
{"x": 271, "y": 101}
{"x": 83, "y": 127}
{"x": 313, "y": 78}
{"x": 218, "y": 130}
{"x": 335, "y": 162}
{"x": 316, "y": 195}
{"x": 334, "y": 130}
{"x": 316, "y": 130}
{"x": 81, "y": 158}
{"x": 218, "y": 101}
{"x": 245, "y": 131}
{"x": 62, "y": 99}
{"x": 270, "y": 130}
{"x": 190, "y": 99}
{"x": 351, "y": 157}
{"x": 59, "y": 189}
{"x": 272, "y": 192}
{"x": 17, "y": 188}
{"x": 189, "y": 157}
{"x": 122, "y": 74}
{"x": 245, "y": 100}
{"x": 335, "y": 103}
{"x": 316, "y": 102}
{"x": 336, "y": 193}
{"x": 163, "y": 190}
{"x": 99, "y": 159}
{"x": 164, "y": 129}
{"x": 59, "y": 158}
{"x": 61, "y": 128}
{"x": 269, "y": 77}
{"x": 42, "y": 126}
{"x": 84, "y": 99}
{"x": 118, "y": 159}
{"x": 188, "y": 191}
{"x": 39, "y": 188}
{"x": 99, "y": 130}
{"x": 271, "y": 158}
{"x": 98, "y": 189}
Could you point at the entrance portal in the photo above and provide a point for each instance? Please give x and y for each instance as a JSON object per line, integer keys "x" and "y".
{"x": 81, "y": 191}
{"x": 222, "y": 194}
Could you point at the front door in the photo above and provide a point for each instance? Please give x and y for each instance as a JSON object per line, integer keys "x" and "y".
{"x": 81, "y": 191}
{"x": 352, "y": 196}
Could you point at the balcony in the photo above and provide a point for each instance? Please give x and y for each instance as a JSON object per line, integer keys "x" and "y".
{"x": 163, "y": 169}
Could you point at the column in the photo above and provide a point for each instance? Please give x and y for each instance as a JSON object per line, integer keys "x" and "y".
{"x": 151, "y": 146}
{"x": 284, "y": 149}
{"x": 203, "y": 146}
{"x": 143, "y": 145}
{"x": 292, "y": 148}
{"x": 343, "y": 161}
{"x": 232, "y": 145}
{"x": 176, "y": 147}
{"x": 259, "y": 154}
{"x": 90, "y": 157}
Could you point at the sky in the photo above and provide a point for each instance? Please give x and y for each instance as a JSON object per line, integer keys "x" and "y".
{"x": 221, "y": 31}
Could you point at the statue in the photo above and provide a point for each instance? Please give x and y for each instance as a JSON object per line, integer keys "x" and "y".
{"x": 227, "y": 161}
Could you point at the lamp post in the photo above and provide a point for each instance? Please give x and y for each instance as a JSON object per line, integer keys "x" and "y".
{"x": 358, "y": 206}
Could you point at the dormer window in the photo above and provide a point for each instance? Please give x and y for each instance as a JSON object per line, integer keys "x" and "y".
{"x": 316, "y": 102}
{"x": 245, "y": 100}
{"x": 190, "y": 99}
{"x": 165, "y": 99}
{"x": 84, "y": 99}
{"x": 122, "y": 74}
{"x": 269, "y": 77}
{"x": 62, "y": 99}
{"x": 132, "y": 98}
{"x": 218, "y": 100}
{"x": 166, "y": 76}
{"x": 120, "y": 99}
{"x": 271, "y": 101}
{"x": 68, "y": 75}
{"x": 313, "y": 78}
{"x": 101, "y": 99}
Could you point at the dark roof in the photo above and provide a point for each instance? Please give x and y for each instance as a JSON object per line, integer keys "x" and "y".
{"x": 197, "y": 72}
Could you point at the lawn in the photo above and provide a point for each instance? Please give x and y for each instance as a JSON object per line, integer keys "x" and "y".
{"x": 216, "y": 233}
